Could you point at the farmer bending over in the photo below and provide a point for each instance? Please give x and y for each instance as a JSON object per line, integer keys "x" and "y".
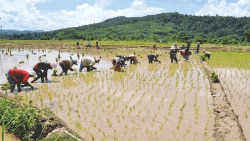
{"x": 89, "y": 63}
{"x": 133, "y": 59}
{"x": 207, "y": 54}
{"x": 118, "y": 62}
{"x": 18, "y": 76}
{"x": 67, "y": 65}
{"x": 153, "y": 57}
{"x": 41, "y": 70}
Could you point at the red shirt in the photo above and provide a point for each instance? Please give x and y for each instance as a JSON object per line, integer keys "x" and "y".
{"x": 19, "y": 75}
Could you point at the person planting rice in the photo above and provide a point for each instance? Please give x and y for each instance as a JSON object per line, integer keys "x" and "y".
{"x": 18, "y": 76}
{"x": 207, "y": 54}
{"x": 89, "y": 63}
{"x": 41, "y": 70}
{"x": 67, "y": 65}
{"x": 153, "y": 57}
{"x": 118, "y": 62}
{"x": 132, "y": 58}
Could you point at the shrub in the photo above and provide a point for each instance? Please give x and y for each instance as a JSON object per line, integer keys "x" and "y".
{"x": 18, "y": 119}
{"x": 203, "y": 58}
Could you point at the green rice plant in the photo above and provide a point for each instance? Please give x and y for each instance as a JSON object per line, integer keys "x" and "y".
{"x": 171, "y": 106}
{"x": 18, "y": 119}
{"x": 181, "y": 115}
{"x": 215, "y": 78}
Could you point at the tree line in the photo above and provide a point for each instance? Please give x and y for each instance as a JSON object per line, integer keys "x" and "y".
{"x": 164, "y": 27}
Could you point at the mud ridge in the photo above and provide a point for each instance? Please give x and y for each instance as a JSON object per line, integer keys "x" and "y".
{"x": 226, "y": 122}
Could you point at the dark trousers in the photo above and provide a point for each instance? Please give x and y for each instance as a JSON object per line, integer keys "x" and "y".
{"x": 173, "y": 57}
{"x": 89, "y": 68}
{"x": 208, "y": 56}
{"x": 150, "y": 60}
{"x": 64, "y": 68}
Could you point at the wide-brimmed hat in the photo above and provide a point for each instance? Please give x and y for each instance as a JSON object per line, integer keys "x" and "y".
{"x": 31, "y": 73}
{"x": 97, "y": 60}
{"x": 53, "y": 65}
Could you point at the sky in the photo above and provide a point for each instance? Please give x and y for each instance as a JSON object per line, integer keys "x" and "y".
{"x": 51, "y": 15}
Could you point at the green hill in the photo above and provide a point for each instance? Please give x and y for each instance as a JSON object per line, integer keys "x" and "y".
{"x": 163, "y": 27}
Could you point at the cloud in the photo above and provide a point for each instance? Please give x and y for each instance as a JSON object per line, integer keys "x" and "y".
{"x": 23, "y": 15}
{"x": 240, "y": 8}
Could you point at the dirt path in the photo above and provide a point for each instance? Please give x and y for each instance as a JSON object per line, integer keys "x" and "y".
{"x": 227, "y": 125}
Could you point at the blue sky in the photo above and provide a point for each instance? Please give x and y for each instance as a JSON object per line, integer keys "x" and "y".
{"x": 56, "y": 14}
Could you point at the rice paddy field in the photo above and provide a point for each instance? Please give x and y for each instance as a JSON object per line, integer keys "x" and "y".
{"x": 159, "y": 101}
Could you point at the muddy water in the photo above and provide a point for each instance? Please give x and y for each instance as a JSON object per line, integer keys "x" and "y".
{"x": 26, "y": 59}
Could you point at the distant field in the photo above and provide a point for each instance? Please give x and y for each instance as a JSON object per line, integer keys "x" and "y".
{"x": 72, "y": 43}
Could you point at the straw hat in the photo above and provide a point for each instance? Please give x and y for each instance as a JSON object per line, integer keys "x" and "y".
{"x": 53, "y": 65}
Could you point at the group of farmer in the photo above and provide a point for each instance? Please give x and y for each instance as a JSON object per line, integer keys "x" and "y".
{"x": 185, "y": 52}
{"x": 18, "y": 76}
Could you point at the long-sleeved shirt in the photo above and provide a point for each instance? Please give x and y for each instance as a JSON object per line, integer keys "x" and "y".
{"x": 19, "y": 75}
{"x": 67, "y": 63}
{"x": 88, "y": 61}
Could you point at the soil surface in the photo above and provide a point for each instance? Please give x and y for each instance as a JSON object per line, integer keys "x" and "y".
{"x": 227, "y": 126}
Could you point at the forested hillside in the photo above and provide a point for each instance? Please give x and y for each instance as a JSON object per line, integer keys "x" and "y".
{"x": 163, "y": 27}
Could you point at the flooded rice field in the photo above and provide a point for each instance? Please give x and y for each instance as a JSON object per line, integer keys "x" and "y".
{"x": 160, "y": 101}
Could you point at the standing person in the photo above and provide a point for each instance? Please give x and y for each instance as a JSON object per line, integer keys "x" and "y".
{"x": 67, "y": 65}
{"x": 153, "y": 57}
{"x": 89, "y": 63}
{"x": 77, "y": 43}
{"x": 198, "y": 47}
{"x": 187, "y": 51}
{"x": 173, "y": 52}
{"x": 18, "y": 76}
{"x": 96, "y": 44}
{"x": 154, "y": 46}
{"x": 89, "y": 43}
{"x": 41, "y": 70}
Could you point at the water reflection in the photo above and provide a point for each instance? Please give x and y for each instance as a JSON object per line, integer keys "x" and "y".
{"x": 27, "y": 58}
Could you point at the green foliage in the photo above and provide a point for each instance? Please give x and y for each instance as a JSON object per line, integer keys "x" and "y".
{"x": 20, "y": 120}
{"x": 203, "y": 58}
{"x": 58, "y": 137}
{"x": 54, "y": 72}
{"x": 161, "y": 27}
{"x": 226, "y": 59}
{"x": 215, "y": 78}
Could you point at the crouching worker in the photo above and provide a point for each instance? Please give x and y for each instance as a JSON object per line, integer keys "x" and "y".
{"x": 153, "y": 57}
{"x": 67, "y": 65}
{"x": 89, "y": 63}
{"x": 17, "y": 77}
{"x": 207, "y": 54}
{"x": 41, "y": 70}
{"x": 118, "y": 62}
{"x": 132, "y": 58}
